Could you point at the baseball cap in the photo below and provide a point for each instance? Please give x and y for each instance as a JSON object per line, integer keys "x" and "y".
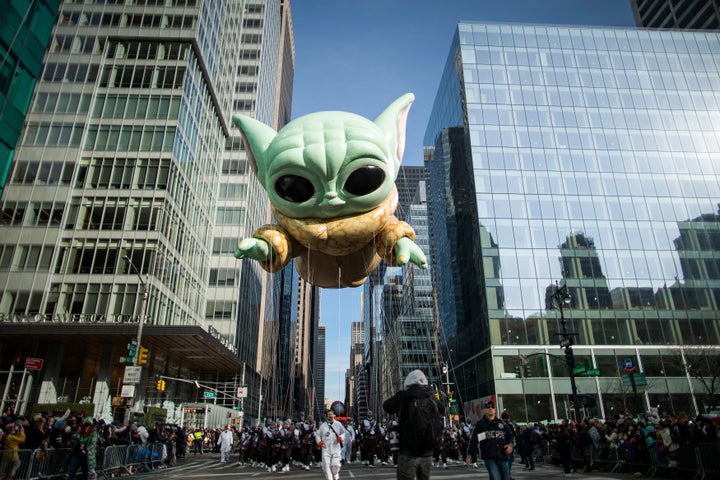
{"x": 489, "y": 404}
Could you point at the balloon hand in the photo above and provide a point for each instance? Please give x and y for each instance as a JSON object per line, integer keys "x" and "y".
{"x": 407, "y": 251}
{"x": 254, "y": 248}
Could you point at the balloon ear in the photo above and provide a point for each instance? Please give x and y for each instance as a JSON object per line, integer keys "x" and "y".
{"x": 393, "y": 120}
{"x": 257, "y": 138}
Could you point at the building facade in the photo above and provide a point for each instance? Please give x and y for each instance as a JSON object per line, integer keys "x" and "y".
{"x": 569, "y": 157}
{"x": 147, "y": 193}
{"x": 24, "y": 35}
{"x": 671, "y": 14}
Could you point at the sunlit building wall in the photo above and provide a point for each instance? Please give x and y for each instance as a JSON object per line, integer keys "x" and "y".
{"x": 129, "y": 178}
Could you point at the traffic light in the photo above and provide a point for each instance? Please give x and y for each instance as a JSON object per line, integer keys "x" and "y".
{"x": 142, "y": 356}
{"x": 450, "y": 395}
{"x": 437, "y": 395}
{"x": 160, "y": 385}
{"x": 570, "y": 357}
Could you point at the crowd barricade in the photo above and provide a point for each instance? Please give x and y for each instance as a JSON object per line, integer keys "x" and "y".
{"x": 54, "y": 463}
{"x": 709, "y": 455}
{"x": 15, "y": 461}
{"x": 113, "y": 461}
{"x": 48, "y": 463}
{"x": 692, "y": 462}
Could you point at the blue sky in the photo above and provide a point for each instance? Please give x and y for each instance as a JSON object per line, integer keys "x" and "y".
{"x": 360, "y": 55}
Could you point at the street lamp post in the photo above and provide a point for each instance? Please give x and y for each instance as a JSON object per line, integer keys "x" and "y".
{"x": 560, "y": 298}
{"x": 143, "y": 306}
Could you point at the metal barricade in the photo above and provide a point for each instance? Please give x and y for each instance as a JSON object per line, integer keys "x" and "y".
{"x": 113, "y": 461}
{"x": 139, "y": 458}
{"x": 49, "y": 463}
{"x": 15, "y": 463}
{"x": 159, "y": 453}
{"x": 709, "y": 456}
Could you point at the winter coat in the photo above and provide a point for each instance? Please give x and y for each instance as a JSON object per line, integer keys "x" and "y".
{"x": 497, "y": 434}
{"x": 398, "y": 404}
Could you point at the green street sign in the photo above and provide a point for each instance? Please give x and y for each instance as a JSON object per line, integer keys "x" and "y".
{"x": 127, "y": 359}
{"x": 207, "y": 394}
{"x": 639, "y": 378}
{"x": 579, "y": 369}
{"x": 593, "y": 372}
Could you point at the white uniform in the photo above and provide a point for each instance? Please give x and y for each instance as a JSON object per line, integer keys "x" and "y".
{"x": 328, "y": 434}
{"x": 226, "y": 442}
{"x": 347, "y": 444}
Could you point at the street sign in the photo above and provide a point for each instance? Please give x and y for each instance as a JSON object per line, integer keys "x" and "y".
{"x": 127, "y": 359}
{"x": 242, "y": 392}
{"x": 128, "y": 391}
{"x": 132, "y": 375}
{"x": 628, "y": 363}
{"x": 207, "y": 394}
{"x": 639, "y": 378}
{"x": 593, "y": 372}
{"x": 33, "y": 364}
{"x": 579, "y": 369}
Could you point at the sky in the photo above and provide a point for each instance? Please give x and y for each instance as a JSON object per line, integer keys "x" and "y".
{"x": 360, "y": 55}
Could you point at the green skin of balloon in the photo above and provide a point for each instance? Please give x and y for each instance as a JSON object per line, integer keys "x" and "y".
{"x": 327, "y": 151}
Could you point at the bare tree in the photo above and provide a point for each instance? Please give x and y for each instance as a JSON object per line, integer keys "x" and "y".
{"x": 703, "y": 364}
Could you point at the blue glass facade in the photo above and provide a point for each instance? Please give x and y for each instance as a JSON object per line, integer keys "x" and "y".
{"x": 592, "y": 155}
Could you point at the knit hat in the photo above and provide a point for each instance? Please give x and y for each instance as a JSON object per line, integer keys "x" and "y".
{"x": 416, "y": 377}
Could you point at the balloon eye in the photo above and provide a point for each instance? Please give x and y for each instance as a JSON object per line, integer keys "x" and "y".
{"x": 364, "y": 180}
{"x": 294, "y": 188}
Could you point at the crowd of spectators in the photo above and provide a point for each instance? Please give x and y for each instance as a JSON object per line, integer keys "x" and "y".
{"x": 82, "y": 435}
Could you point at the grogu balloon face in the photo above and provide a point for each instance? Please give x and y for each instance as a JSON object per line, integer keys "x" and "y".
{"x": 328, "y": 164}
{"x": 330, "y": 177}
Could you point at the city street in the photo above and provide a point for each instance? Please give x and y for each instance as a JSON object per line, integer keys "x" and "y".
{"x": 209, "y": 467}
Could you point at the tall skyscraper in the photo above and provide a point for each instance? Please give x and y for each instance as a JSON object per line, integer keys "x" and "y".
{"x": 674, "y": 14}
{"x": 576, "y": 155}
{"x": 128, "y": 195}
{"x": 409, "y": 333}
{"x": 320, "y": 370}
{"x": 25, "y": 29}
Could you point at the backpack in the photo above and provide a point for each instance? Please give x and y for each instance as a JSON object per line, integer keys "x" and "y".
{"x": 423, "y": 429}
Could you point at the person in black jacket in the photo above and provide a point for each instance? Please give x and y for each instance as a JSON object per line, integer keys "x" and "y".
{"x": 496, "y": 439}
{"x": 417, "y": 462}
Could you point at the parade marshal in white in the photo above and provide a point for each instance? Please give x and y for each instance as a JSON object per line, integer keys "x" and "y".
{"x": 329, "y": 436}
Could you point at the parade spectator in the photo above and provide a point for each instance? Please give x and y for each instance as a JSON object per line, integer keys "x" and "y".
{"x": 496, "y": 440}
{"x": 13, "y": 438}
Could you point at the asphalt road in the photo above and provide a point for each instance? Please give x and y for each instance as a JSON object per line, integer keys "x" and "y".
{"x": 208, "y": 466}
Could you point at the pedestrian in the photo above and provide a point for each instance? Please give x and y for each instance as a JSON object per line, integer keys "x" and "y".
{"x": 418, "y": 411}
{"x": 13, "y": 438}
{"x": 348, "y": 442}
{"x": 225, "y": 442}
{"x": 369, "y": 432}
{"x": 329, "y": 437}
{"x": 81, "y": 449}
{"x": 496, "y": 440}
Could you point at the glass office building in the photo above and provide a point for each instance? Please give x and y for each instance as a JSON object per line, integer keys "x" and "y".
{"x": 25, "y": 28}
{"x": 583, "y": 157}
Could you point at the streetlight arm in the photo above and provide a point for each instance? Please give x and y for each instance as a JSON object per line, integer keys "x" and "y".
{"x": 199, "y": 385}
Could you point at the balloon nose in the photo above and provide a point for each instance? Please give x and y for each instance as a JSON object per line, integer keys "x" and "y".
{"x": 331, "y": 200}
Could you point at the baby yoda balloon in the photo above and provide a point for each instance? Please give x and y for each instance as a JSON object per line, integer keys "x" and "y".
{"x": 330, "y": 177}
